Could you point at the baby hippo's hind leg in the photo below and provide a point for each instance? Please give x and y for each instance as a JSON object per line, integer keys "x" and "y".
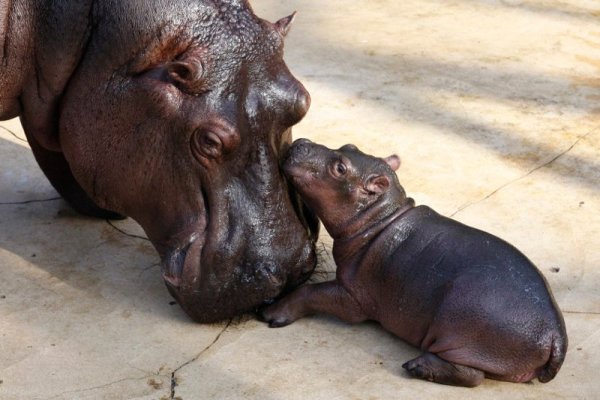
{"x": 432, "y": 368}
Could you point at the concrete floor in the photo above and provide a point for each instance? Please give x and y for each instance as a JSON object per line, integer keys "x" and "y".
{"x": 494, "y": 107}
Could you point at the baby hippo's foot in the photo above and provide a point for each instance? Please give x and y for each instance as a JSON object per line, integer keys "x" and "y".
{"x": 289, "y": 308}
{"x": 434, "y": 369}
{"x": 282, "y": 313}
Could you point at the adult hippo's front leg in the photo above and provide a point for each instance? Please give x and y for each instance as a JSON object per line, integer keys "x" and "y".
{"x": 57, "y": 170}
{"x": 32, "y": 90}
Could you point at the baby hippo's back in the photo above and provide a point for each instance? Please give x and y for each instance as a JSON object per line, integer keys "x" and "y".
{"x": 474, "y": 303}
{"x": 465, "y": 295}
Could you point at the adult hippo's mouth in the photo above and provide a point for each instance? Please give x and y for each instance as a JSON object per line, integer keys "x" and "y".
{"x": 180, "y": 260}
{"x": 258, "y": 247}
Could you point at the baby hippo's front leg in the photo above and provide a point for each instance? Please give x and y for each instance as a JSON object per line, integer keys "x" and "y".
{"x": 327, "y": 298}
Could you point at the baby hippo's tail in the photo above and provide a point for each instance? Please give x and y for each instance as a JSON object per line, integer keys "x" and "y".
{"x": 557, "y": 356}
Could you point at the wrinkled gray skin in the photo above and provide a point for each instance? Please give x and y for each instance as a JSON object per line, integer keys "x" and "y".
{"x": 473, "y": 303}
{"x": 175, "y": 113}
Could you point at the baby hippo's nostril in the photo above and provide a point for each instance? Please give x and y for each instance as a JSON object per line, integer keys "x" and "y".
{"x": 300, "y": 151}
{"x": 301, "y": 141}
{"x": 301, "y": 148}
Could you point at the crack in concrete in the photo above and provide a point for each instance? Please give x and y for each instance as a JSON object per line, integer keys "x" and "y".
{"x": 174, "y": 378}
{"x": 103, "y": 386}
{"x": 131, "y": 235}
{"x": 326, "y": 266}
{"x": 15, "y": 203}
{"x": 13, "y": 134}
{"x": 581, "y": 312}
{"x": 148, "y": 269}
{"x": 547, "y": 163}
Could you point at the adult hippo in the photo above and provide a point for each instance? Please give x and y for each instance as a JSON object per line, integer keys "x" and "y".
{"x": 175, "y": 113}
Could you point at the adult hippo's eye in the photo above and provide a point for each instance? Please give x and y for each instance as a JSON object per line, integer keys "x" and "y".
{"x": 214, "y": 141}
{"x": 211, "y": 144}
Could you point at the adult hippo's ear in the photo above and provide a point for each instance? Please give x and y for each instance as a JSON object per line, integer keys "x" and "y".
{"x": 393, "y": 161}
{"x": 284, "y": 25}
{"x": 186, "y": 72}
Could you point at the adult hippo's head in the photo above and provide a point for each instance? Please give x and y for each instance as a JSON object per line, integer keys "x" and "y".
{"x": 176, "y": 113}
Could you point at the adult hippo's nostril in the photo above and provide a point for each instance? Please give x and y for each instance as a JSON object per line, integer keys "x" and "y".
{"x": 301, "y": 104}
{"x": 292, "y": 98}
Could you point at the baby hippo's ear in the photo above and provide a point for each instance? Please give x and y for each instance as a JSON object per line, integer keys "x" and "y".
{"x": 393, "y": 161}
{"x": 377, "y": 184}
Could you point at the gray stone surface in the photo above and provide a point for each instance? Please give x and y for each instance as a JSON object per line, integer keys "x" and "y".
{"x": 494, "y": 108}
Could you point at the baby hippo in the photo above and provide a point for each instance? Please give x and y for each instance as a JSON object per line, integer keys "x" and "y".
{"x": 473, "y": 303}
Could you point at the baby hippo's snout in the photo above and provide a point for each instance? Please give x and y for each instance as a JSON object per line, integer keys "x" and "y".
{"x": 302, "y": 141}
{"x": 298, "y": 152}
{"x": 300, "y": 161}
{"x": 305, "y": 156}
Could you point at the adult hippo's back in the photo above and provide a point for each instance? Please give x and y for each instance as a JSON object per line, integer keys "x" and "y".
{"x": 174, "y": 113}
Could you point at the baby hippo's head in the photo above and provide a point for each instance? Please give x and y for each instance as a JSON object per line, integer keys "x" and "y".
{"x": 340, "y": 184}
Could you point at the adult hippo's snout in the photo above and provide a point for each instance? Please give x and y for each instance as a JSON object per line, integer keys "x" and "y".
{"x": 174, "y": 113}
{"x": 258, "y": 241}
{"x": 248, "y": 270}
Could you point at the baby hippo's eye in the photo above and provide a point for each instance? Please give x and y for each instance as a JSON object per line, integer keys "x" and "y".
{"x": 339, "y": 168}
